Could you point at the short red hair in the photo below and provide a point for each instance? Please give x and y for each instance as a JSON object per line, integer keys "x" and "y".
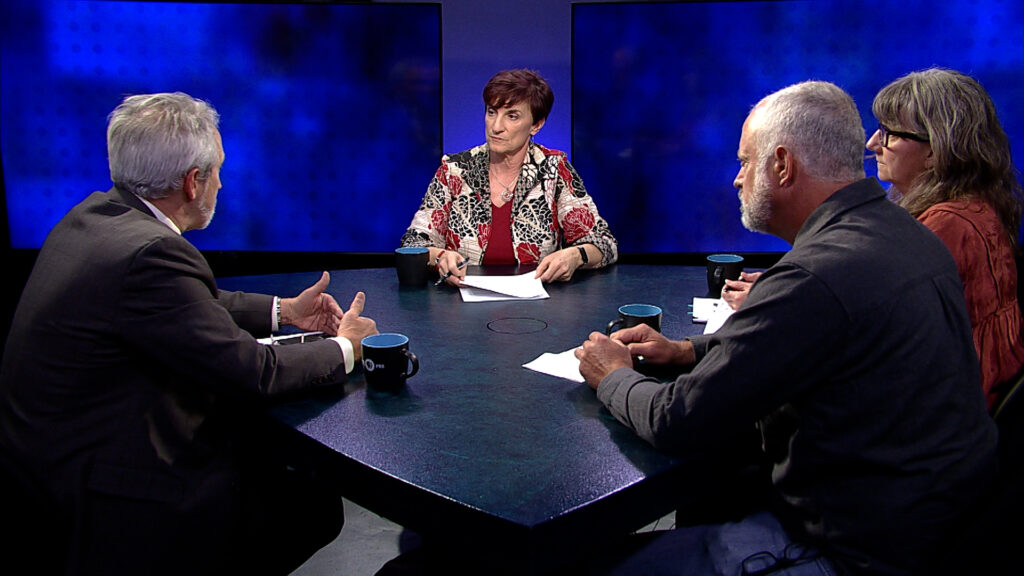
{"x": 510, "y": 87}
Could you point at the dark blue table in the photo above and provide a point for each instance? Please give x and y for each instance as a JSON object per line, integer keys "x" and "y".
{"x": 480, "y": 451}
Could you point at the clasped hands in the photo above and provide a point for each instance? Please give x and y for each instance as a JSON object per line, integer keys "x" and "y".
{"x": 601, "y": 355}
{"x": 316, "y": 310}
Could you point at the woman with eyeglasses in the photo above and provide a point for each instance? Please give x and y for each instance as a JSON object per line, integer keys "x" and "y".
{"x": 940, "y": 144}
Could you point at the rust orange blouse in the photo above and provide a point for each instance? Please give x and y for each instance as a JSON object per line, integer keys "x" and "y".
{"x": 972, "y": 231}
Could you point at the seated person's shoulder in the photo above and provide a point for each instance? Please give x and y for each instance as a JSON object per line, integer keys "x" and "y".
{"x": 474, "y": 154}
{"x": 550, "y": 154}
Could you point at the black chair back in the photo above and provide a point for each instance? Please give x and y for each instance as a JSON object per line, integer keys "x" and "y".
{"x": 987, "y": 543}
{"x": 35, "y": 536}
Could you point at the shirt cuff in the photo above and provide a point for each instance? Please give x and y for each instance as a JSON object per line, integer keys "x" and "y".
{"x": 700, "y": 345}
{"x": 609, "y": 385}
{"x": 347, "y": 351}
{"x": 275, "y": 315}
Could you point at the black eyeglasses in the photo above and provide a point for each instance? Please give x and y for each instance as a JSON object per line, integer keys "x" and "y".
{"x": 884, "y": 133}
{"x": 762, "y": 563}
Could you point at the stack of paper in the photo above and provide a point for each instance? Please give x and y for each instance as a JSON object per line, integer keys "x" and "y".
{"x": 492, "y": 288}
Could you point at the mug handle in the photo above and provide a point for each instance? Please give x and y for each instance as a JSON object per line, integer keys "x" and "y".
{"x": 611, "y": 326}
{"x": 415, "y": 363}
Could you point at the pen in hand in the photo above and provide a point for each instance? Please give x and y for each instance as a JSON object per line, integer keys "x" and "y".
{"x": 448, "y": 274}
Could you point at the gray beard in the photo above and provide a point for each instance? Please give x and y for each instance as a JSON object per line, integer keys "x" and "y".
{"x": 207, "y": 214}
{"x": 756, "y": 214}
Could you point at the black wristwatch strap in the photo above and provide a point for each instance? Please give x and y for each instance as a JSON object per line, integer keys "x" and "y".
{"x": 583, "y": 254}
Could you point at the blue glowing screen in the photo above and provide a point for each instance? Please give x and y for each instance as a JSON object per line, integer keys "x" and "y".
{"x": 330, "y": 113}
{"x": 660, "y": 92}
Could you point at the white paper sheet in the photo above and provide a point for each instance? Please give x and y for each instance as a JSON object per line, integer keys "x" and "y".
{"x": 563, "y": 365}
{"x": 492, "y": 288}
{"x": 714, "y": 311}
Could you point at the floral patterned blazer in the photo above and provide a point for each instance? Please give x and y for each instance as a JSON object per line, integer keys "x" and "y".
{"x": 551, "y": 209}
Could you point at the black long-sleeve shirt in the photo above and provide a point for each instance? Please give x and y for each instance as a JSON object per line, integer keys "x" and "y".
{"x": 860, "y": 340}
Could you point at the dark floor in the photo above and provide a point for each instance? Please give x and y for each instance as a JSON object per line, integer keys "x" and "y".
{"x": 368, "y": 541}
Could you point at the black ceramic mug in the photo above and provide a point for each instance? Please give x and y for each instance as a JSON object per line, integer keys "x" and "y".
{"x": 722, "y": 267}
{"x": 635, "y": 314}
{"x": 411, "y": 264}
{"x": 387, "y": 361}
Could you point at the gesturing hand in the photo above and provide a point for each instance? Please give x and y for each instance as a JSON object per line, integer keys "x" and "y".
{"x": 355, "y": 327}
{"x": 313, "y": 309}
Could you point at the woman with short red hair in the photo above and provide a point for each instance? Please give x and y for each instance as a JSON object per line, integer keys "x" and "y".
{"x": 510, "y": 200}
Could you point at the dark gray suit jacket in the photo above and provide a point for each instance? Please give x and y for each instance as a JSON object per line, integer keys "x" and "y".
{"x": 121, "y": 355}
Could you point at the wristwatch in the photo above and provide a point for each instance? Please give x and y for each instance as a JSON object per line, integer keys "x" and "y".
{"x": 583, "y": 254}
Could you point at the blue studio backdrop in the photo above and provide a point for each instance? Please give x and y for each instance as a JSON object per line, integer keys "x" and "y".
{"x": 660, "y": 92}
{"x": 330, "y": 113}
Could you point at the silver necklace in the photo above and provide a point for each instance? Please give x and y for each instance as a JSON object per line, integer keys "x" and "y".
{"x": 508, "y": 190}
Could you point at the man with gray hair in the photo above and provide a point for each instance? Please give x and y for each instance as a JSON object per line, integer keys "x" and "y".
{"x": 853, "y": 355}
{"x": 130, "y": 384}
